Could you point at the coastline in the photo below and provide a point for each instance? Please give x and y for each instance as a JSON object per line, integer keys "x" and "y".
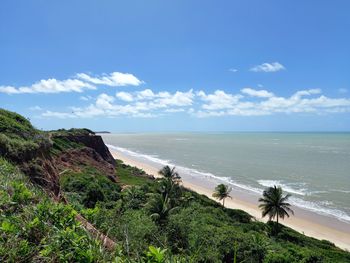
{"x": 306, "y": 222}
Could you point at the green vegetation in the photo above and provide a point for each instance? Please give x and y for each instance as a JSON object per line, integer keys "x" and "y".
{"x": 15, "y": 125}
{"x": 19, "y": 140}
{"x": 89, "y": 186}
{"x": 72, "y": 132}
{"x": 222, "y": 192}
{"x": 62, "y": 142}
{"x": 34, "y": 228}
{"x": 148, "y": 220}
{"x": 188, "y": 227}
{"x": 128, "y": 175}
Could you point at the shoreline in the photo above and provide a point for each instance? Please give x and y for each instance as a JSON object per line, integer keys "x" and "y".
{"x": 306, "y": 222}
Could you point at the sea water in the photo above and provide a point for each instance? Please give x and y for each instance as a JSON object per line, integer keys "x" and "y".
{"x": 313, "y": 167}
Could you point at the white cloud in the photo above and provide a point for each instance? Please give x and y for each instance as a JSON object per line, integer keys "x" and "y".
{"x": 177, "y": 99}
{"x": 268, "y": 67}
{"x": 113, "y": 79}
{"x": 80, "y": 83}
{"x": 172, "y": 110}
{"x": 257, "y": 93}
{"x": 142, "y": 106}
{"x": 147, "y": 104}
{"x": 85, "y": 98}
{"x": 234, "y": 70}
{"x": 8, "y": 90}
{"x": 303, "y": 101}
{"x": 125, "y": 96}
{"x": 35, "y": 108}
{"x": 159, "y": 100}
{"x": 104, "y": 101}
{"x": 145, "y": 94}
{"x": 218, "y": 100}
{"x": 60, "y": 115}
{"x": 50, "y": 86}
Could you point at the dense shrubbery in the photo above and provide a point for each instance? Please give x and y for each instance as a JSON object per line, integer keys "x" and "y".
{"x": 72, "y": 132}
{"x": 91, "y": 187}
{"x": 13, "y": 124}
{"x": 62, "y": 144}
{"x": 33, "y": 228}
{"x": 19, "y": 140}
{"x": 194, "y": 228}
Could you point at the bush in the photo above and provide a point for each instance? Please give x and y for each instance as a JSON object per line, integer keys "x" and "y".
{"x": 91, "y": 186}
{"x": 71, "y": 245}
{"x": 13, "y": 124}
{"x": 21, "y": 193}
{"x": 17, "y": 149}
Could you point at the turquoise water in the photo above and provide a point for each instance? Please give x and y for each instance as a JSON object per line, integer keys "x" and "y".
{"x": 313, "y": 167}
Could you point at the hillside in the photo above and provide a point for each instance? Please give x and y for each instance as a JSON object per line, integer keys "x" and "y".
{"x": 63, "y": 198}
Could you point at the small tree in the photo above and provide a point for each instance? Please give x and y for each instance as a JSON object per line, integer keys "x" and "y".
{"x": 160, "y": 206}
{"x": 221, "y": 192}
{"x": 170, "y": 173}
{"x": 274, "y": 203}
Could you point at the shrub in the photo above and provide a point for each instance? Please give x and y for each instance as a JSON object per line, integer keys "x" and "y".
{"x": 12, "y": 123}
{"x": 91, "y": 187}
{"x": 71, "y": 245}
{"x": 21, "y": 194}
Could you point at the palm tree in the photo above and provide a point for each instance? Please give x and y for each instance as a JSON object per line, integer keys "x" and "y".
{"x": 258, "y": 247}
{"x": 170, "y": 173}
{"x": 170, "y": 184}
{"x": 159, "y": 206}
{"x": 274, "y": 204}
{"x": 133, "y": 197}
{"x": 221, "y": 192}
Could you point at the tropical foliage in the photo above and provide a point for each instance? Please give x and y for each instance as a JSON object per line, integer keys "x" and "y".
{"x": 221, "y": 192}
{"x": 149, "y": 220}
{"x": 274, "y": 204}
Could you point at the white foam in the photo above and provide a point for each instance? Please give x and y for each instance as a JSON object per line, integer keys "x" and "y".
{"x": 152, "y": 158}
{"x": 286, "y": 187}
{"x": 320, "y": 208}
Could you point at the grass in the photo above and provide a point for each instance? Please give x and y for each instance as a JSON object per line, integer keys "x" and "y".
{"x": 61, "y": 144}
{"x": 129, "y": 175}
{"x": 15, "y": 125}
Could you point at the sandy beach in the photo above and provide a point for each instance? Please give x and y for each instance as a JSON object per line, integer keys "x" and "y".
{"x": 306, "y": 222}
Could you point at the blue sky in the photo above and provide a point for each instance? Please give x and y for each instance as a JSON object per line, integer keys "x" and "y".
{"x": 136, "y": 66}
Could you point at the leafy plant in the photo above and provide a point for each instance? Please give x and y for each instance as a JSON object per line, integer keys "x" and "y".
{"x": 155, "y": 255}
{"x": 222, "y": 192}
{"x": 274, "y": 203}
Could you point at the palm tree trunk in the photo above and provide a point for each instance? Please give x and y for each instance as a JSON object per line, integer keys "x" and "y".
{"x": 223, "y": 202}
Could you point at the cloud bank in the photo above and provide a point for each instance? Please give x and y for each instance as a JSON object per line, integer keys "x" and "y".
{"x": 148, "y": 103}
{"x": 247, "y": 102}
{"x": 79, "y": 83}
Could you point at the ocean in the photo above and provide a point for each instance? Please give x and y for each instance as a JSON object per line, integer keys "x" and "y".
{"x": 313, "y": 167}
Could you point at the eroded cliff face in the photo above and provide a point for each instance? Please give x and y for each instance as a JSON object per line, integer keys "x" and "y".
{"x": 94, "y": 142}
{"x": 77, "y": 158}
{"x": 45, "y": 167}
